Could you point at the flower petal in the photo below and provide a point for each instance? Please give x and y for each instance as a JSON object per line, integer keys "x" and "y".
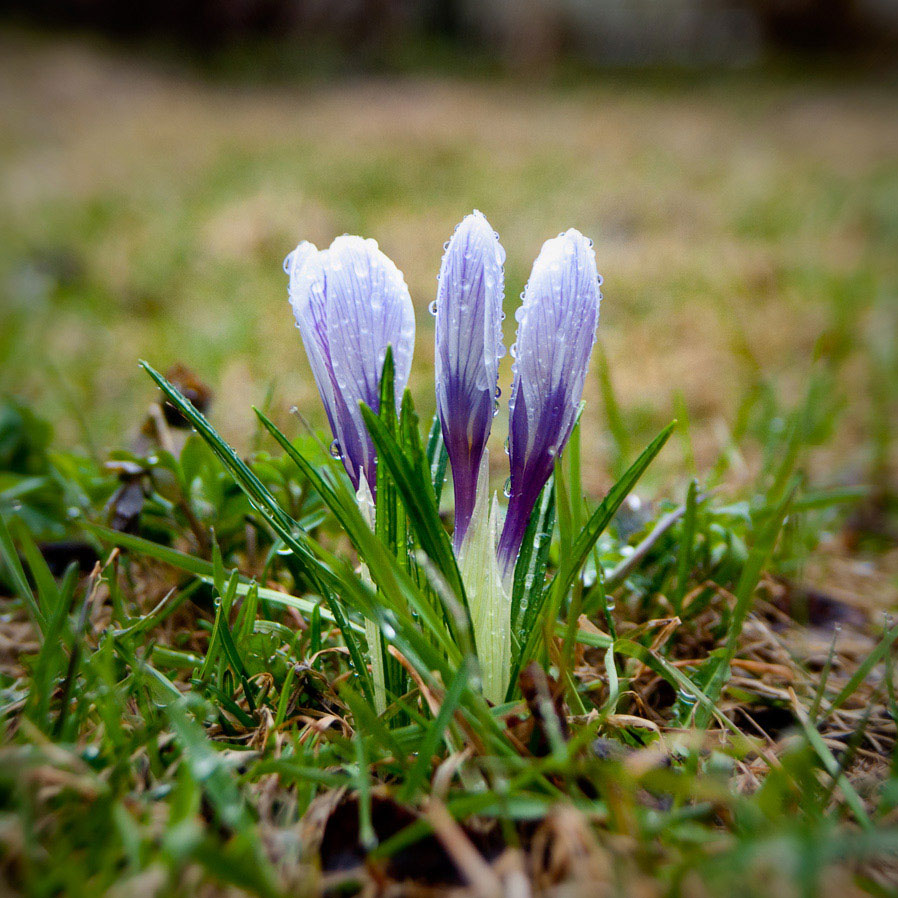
{"x": 556, "y": 332}
{"x": 350, "y": 303}
{"x": 467, "y": 352}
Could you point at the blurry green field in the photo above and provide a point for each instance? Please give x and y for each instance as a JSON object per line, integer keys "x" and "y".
{"x": 145, "y": 213}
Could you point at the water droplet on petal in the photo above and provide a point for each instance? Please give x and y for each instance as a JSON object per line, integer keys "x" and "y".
{"x": 336, "y": 450}
{"x": 433, "y": 308}
{"x": 507, "y": 488}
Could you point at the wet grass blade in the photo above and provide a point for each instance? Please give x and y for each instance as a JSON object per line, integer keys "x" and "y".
{"x": 246, "y": 479}
{"x": 419, "y": 502}
{"x": 866, "y": 666}
{"x": 437, "y": 458}
{"x": 259, "y": 495}
{"x": 530, "y": 568}
{"x": 396, "y": 584}
{"x": 549, "y": 601}
{"x": 200, "y": 568}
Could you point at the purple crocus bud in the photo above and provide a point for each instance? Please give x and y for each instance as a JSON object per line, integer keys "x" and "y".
{"x": 468, "y": 349}
{"x": 350, "y": 302}
{"x": 556, "y": 331}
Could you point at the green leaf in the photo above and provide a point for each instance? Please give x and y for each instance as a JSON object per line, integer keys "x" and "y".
{"x": 417, "y": 496}
{"x": 17, "y": 574}
{"x": 398, "y": 588}
{"x": 437, "y": 458}
{"x": 687, "y": 540}
{"x": 201, "y": 568}
{"x": 391, "y": 531}
{"x": 434, "y": 735}
{"x": 549, "y": 601}
{"x": 751, "y": 573}
{"x": 530, "y": 568}
{"x": 288, "y": 529}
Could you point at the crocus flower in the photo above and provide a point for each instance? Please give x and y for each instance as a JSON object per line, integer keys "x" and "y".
{"x": 350, "y": 302}
{"x": 556, "y": 331}
{"x": 468, "y": 349}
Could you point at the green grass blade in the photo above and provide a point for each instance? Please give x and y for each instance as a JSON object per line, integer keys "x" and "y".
{"x": 616, "y": 427}
{"x": 17, "y": 575}
{"x": 396, "y": 584}
{"x": 434, "y": 735}
{"x": 288, "y": 529}
{"x": 437, "y": 458}
{"x": 530, "y": 568}
{"x": 255, "y": 490}
{"x": 863, "y": 671}
{"x": 200, "y": 568}
{"x": 687, "y": 541}
{"x": 549, "y": 601}
{"x": 419, "y": 503}
{"x": 744, "y": 592}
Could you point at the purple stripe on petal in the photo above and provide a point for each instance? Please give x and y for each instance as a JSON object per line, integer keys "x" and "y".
{"x": 467, "y": 352}
{"x": 351, "y": 302}
{"x": 556, "y": 331}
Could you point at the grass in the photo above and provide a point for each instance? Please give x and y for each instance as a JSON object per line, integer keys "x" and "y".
{"x": 185, "y": 707}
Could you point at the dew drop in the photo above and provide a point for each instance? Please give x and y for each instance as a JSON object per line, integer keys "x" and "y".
{"x": 203, "y": 768}
{"x": 506, "y": 490}
{"x": 498, "y": 392}
{"x": 432, "y": 308}
{"x": 336, "y": 450}
{"x": 686, "y": 697}
{"x": 514, "y": 350}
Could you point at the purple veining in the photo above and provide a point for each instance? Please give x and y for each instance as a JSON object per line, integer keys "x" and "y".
{"x": 350, "y": 302}
{"x": 468, "y": 346}
{"x": 556, "y": 332}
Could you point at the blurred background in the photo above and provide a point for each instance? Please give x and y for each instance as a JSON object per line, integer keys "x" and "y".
{"x": 735, "y": 161}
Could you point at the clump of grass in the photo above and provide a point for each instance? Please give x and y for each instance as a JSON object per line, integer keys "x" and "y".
{"x": 175, "y": 712}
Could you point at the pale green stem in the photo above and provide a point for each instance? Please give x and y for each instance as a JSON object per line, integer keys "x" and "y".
{"x": 488, "y": 600}
{"x": 372, "y": 632}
